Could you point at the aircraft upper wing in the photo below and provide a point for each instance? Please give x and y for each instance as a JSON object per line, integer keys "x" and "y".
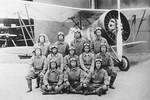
{"x": 40, "y": 11}
{"x": 50, "y": 12}
{"x": 129, "y": 12}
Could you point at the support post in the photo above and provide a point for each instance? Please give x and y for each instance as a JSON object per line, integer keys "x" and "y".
{"x": 29, "y": 23}
{"x": 26, "y": 29}
{"x": 22, "y": 30}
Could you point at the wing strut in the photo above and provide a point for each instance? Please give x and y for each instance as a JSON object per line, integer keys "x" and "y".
{"x": 22, "y": 29}
{"x": 142, "y": 19}
{"x": 26, "y": 29}
{"x": 76, "y": 23}
{"x": 29, "y": 22}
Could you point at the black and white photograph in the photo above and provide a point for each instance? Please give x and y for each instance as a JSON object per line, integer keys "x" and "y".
{"x": 75, "y": 49}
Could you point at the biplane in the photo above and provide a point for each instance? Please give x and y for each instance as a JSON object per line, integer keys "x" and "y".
{"x": 114, "y": 22}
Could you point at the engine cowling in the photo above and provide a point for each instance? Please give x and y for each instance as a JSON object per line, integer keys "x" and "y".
{"x": 108, "y": 21}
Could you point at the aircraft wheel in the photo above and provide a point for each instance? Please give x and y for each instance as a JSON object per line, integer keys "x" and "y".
{"x": 124, "y": 65}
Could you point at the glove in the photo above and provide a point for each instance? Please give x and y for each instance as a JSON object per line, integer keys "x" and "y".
{"x": 58, "y": 84}
{"x": 67, "y": 83}
{"x": 85, "y": 85}
{"x": 81, "y": 84}
{"x": 41, "y": 74}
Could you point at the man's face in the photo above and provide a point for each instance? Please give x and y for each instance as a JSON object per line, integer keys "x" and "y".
{"x": 54, "y": 50}
{"x": 42, "y": 39}
{"x": 77, "y": 34}
{"x": 38, "y": 52}
{"x": 98, "y": 65}
{"x": 98, "y": 32}
{"x": 53, "y": 65}
{"x": 71, "y": 52}
{"x": 86, "y": 49}
{"x": 73, "y": 63}
{"x": 103, "y": 48}
{"x": 61, "y": 37}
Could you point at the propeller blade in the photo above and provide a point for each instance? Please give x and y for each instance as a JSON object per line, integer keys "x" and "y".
{"x": 119, "y": 35}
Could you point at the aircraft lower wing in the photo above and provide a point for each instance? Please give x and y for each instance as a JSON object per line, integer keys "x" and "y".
{"x": 131, "y": 44}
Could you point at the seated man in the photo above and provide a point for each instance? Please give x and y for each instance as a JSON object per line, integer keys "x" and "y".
{"x": 53, "y": 79}
{"x": 97, "y": 80}
{"x": 73, "y": 78}
{"x": 107, "y": 63}
{"x": 38, "y": 67}
{"x": 87, "y": 59}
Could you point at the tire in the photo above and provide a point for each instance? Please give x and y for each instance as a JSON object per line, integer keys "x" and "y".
{"x": 124, "y": 65}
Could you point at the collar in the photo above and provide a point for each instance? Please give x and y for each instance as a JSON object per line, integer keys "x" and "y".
{"x": 71, "y": 55}
{"x": 60, "y": 42}
{"x": 54, "y": 70}
{"x": 86, "y": 54}
{"x": 41, "y": 44}
{"x": 54, "y": 55}
{"x": 103, "y": 54}
{"x": 98, "y": 70}
{"x": 78, "y": 40}
{"x": 38, "y": 57}
{"x": 99, "y": 38}
{"x": 74, "y": 69}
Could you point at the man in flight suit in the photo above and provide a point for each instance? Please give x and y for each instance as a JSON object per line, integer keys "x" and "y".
{"x": 107, "y": 63}
{"x": 95, "y": 44}
{"x": 55, "y": 55}
{"x": 74, "y": 78}
{"x": 63, "y": 46}
{"x": 38, "y": 67}
{"x": 87, "y": 59}
{"x": 78, "y": 42}
{"x": 53, "y": 79}
{"x": 72, "y": 54}
{"x": 97, "y": 80}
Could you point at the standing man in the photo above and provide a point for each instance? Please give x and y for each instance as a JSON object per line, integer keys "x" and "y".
{"x": 44, "y": 47}
{"x": 78, "y": 42}
{"x": 38, "y": 67}
{"x": 42, "y": 44}
{"x": 63, "y": 46}
{"x": 95, "y": 44}
{"x": 107, "y": 63}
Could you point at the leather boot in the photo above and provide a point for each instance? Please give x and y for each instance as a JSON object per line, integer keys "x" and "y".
{"x": 113, "y": 78}
{"x": 38, "y": 83}
{"x": 29, "y": 86}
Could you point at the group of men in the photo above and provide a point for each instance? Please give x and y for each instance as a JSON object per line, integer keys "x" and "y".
{"x": 84, "y": 67}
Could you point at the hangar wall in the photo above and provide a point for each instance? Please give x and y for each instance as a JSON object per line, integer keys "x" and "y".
{"x": 52, "y": 28}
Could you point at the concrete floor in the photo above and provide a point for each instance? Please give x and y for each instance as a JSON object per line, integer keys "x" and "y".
{"x": 130, "y": 85}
